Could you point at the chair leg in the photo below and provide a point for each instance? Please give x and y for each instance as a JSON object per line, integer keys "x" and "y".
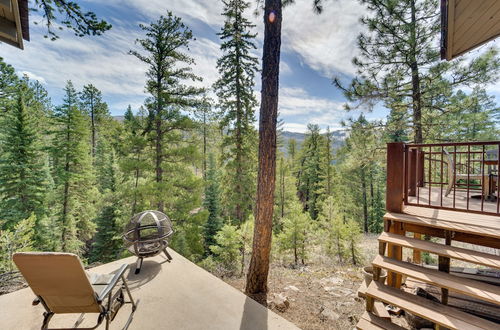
{"x": 46, "y": 319}
{"x": 169, "y": 257}
{"x": 138, "y": 265}
{"x": 134, "y": 306}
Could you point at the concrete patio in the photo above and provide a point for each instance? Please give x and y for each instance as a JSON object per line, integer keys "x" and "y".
{"x": 176, "y": 295}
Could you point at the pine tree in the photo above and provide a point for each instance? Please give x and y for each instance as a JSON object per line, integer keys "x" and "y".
{"x": 134, "y": 159}
{"x": 294, "y": 236}
{"x": 309, "y": 176}
{"x": 246, "y": 234}
{"x": 400, "y": 65}
{"x": 334, "y": 229}
{"x": 205, "y": 116}
{"x": 169, "y": 71}
{"x": 469, "y": 117}
{"x": 212, "y": 205}
{"x": 73, "y": 175}
{"x": 326, "y": 166}
{"x": 227, "y": 250}
{"x": 107, "y": 240}
{"x": 18, "y": 239}
{"x": 24, "y": 180}
{"x": 96, "y": 109}
{"x": 8, "y": 83}
{"x": 352, "y": 238}
{"x": 361, "y": 173}
{"x": 256, "y": 285}
{"x": 285, "y": 194}
{"x": 237, "y": 102}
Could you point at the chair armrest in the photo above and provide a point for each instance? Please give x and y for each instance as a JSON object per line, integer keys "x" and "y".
{"x": 112, "y": 284}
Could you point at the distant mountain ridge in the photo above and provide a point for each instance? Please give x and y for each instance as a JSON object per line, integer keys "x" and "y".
{"x": 338, "y": 137}
{"x": 286, "y": 136}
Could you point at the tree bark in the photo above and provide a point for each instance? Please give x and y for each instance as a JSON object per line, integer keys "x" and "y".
{"x": 415, "y": 81}
{"x": 256, "y": 285}
{"x": 365, "y": 201}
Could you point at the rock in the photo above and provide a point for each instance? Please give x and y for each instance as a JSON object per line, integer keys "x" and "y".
{"x": 394, "y": 310}
{"x": 292, "y": 288}
{"x": 415, "y": 321}
{"x": 279, "y": 302}
{"x": 326, "y": 314}
{"x": 328, "y": 281}
{"x": 344, "y": 303}
{"x": 353, "y": 319}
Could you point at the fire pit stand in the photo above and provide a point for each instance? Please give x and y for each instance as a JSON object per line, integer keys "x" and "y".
{"x": 147, "y": 236}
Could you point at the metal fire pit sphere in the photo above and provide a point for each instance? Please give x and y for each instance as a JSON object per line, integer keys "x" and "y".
{"x": 147, "y": 235}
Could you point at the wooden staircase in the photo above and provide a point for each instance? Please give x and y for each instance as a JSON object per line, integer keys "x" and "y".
{"x": 452, "y": 226}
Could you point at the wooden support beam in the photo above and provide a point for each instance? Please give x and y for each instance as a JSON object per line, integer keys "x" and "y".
{"x": 444, "y": 266}
{"x": 417, "y": 254}
{"x": 394, "y": 200}
{"x": 395, "y": 252}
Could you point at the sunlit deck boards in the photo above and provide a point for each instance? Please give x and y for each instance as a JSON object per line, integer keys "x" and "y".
{"x": 437, "y": 198}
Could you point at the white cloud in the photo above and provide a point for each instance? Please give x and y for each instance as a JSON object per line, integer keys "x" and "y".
{"x": 296, "y": 101}
{"x": 294, "y": 127}
{"x": 32, "y": 76}
{"x": 103, "y": 61}
{"x": 208, "y": 12}
{"x": 298, "y": 108}
{"x": 325, "y": 42}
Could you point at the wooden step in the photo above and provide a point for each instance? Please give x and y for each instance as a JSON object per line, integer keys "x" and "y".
{"x": 468, "y": 226}
{"x": 476, "y": 257}
{"x": 370, "y": 321}
{"x": 380, "y": 311}
{"x": 486, "y": 220}
{"x": 465, "y": 286}
{"x": 441, "y": 314}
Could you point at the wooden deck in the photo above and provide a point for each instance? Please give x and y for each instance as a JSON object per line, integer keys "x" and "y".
{"x": 478, "y": 229}
{"x": 456, "y": 199}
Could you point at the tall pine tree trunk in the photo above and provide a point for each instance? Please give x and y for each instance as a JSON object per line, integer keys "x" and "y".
{"x": 256, "y": 285}
{"x": 415, "y": 81}
{"x": 365, "y": 199}
{"x": 92, "y": 123}
{"x": 65, "y": 209}
{"x": 159, "y": 169}
{"x": 239, "y": 140}
{"x": 204, "y": 144}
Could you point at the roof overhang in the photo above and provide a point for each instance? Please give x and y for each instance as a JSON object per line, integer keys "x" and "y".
{"x": 14, "y": 22}
{"x": 467, "y": 24}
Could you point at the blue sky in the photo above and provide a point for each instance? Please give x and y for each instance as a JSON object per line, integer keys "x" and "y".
{"x": 314, "y": 49}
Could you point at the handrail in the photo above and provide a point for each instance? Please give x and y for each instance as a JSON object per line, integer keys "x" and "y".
{"x": 460, "y": 176}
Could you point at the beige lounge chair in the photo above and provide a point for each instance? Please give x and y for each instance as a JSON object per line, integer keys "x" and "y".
{"x": 458, "y": 172}
{"x": 62, "y": 286}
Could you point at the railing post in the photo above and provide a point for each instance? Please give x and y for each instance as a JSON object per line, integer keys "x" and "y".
{"x": 394, "y": 201}
{"x": 395, "y": 177}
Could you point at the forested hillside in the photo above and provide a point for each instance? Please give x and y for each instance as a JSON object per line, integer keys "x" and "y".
{"x": 72, "y": 175}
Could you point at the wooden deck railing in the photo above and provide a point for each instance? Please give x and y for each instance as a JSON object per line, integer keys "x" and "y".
{"x": 455, "y": 176}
